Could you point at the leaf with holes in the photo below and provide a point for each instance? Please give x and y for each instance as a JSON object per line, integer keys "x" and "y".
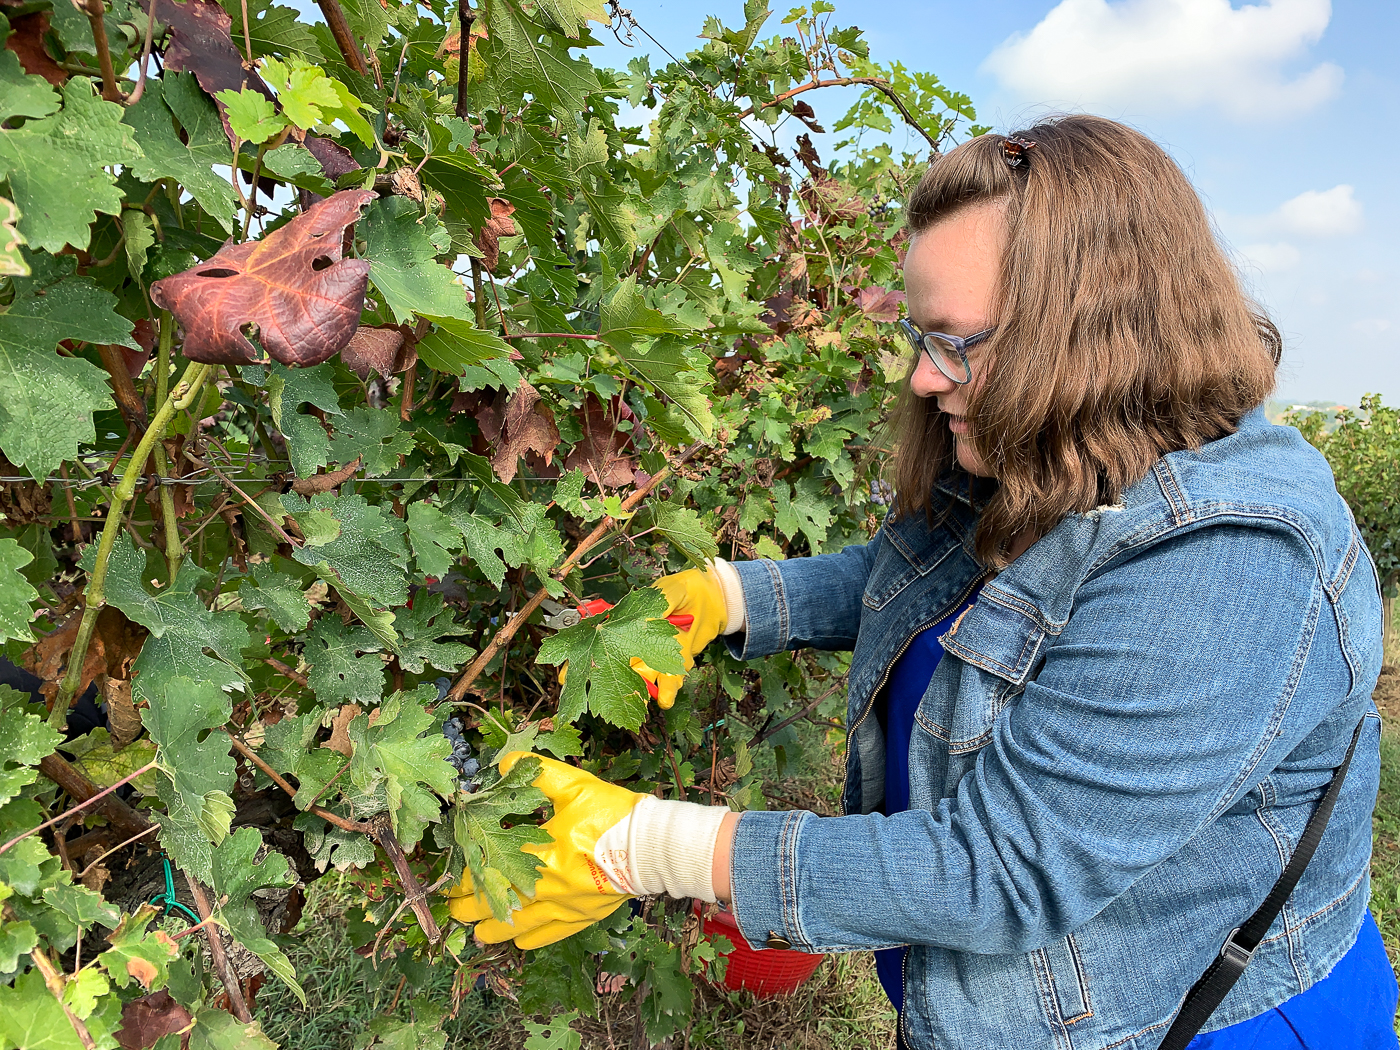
{"x": 292, "y": 286}
{"x": 399, "y": 751}
{"x": 373, "y": 436}
{"x": 343, "y": 663}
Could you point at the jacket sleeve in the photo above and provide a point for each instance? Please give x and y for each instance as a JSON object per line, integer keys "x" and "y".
{"x": 1151, "y": 715}
{"x": 802, "y": 603}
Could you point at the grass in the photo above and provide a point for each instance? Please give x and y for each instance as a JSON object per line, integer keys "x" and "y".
{"x": 842, "y": 1005}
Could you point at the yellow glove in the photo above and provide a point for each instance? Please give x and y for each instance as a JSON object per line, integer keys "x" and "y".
{"x": 610, "y": 845}
{"x": 697, "y": 593}
{"x": 573, "y": 891}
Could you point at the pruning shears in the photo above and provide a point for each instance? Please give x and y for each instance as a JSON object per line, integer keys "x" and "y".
{"x": 560, "y": 616}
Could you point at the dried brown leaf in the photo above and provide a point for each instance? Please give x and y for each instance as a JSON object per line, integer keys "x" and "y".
{"x": 527, "y": 425}
{"x": 146, "y": 1019}
{"x": 879, "y": 304}
{"x": 340, "y": 730}
{"x": 600, "y": 455}
{"x": 499, "y": 225}
{"x": 123, "y": 720}
{"x": 26, "y": 40}
{"x": 293, "y": 286}
{"x": 377, "y": 349}
{"x": 325, "y": 482}
{"x": 116, "y": 642}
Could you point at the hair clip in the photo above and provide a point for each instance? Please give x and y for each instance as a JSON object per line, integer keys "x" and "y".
{"x": 1015, "y": 151}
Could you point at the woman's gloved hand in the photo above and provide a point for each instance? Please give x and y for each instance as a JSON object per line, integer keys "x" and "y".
{"x": 700, "y": 594}
{"x": 610, "y": 844}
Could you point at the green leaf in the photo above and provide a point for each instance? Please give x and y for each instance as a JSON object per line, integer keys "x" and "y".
{"x": 32, "y": 1019}
{"x": 191, "y": 162}
{"x": 216, "y": 1029}
{"x": 331, "y": 846}
{"x": 339, "y": 673}
{"x": 368, "y": 556}
{"x": 434, "y": 538}
{"x": 626, "y": 317}
{"x": 23, "y": 94}
{"x": 79, "y": 141}
{"x": 499, "y": 869}
{"x": 374, "y": 436}
{"x": 421, "y": 645}
{"x": 251, "y": 114}
{"x": 456, "y": 345}
{"x": 484, "y": 538}
{"x": 303, "y": 91}
{"x": 287, "y": 390}
{"x": 133, "y": 953}
{"x": 140, "y": 239}
{"x": 186, "y": 721}
{"x": 46, "y": 401}
{"x": 25, "y": 739}
{"x": 392, "y": 754}
{"x": 290, "y": 747}
{"x": 183, "y": 630}
{"x": 17, "y": 598}
{"x": 805, "y": 508}
{"x": 16, "y": 939}
{"x": 683, "y": 527}
{"x": 599, "y": 651}
{"x": 83, "y": 992}
{"x": 280, "y": 595}
{"x": 296, "y": 164}
{"x": 555, "y": 1034}
{"x": 93, "y": 755}
{"x": 570, "y": 17}
{"x": 81, "y": 905}
{"x": 403, "y": 266}
{"x": 272, "y": 30}
{"x": 379, "y": 621}
{"x": 237, "y": 876}
{"x": 522, "y": 58}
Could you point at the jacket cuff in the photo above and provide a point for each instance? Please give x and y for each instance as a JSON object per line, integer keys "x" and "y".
{"x": 765, "y": 611}
{"x": 763, "y": 878}
{"x": 733, "y": 590}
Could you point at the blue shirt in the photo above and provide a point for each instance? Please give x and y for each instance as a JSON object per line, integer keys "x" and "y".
{"x": 1350, "y": 1009}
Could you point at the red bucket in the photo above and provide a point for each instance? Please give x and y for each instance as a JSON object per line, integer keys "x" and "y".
{"x": 767, "y": 973}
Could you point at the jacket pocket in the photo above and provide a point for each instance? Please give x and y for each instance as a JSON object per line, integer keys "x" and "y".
{"x": 1060, "y": 978}
{"x": 909, "y": 551}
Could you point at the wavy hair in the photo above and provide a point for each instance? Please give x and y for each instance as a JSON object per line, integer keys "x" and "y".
{"x": 1122, "y": 331}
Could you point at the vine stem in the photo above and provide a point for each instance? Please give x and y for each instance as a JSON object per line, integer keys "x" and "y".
{"x": 330, "y": 818}
{"x": 95, "y": 10}
{"x": 877, "y": 83}
{"x": 237, "y": 1005}
{"x": 174, "y": 549}
{"x": 79, "y": 807}
{"x": 184, "y": 393}
{"x": 552, "y": 335}
{"x": 603, "y": 527}
{"x": 344, "y": 38}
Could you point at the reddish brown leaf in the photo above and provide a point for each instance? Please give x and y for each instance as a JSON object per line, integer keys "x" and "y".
{"x": 325, "y": 482}
{"x": 293, "y": 286}
{"x": 879, "y": 304}
{"x": 26, "y": 40}
{"x": 123, "y": 720}
{"x": 803, "y": 112}
{"x": 146, "y": 1019}
{"x": 116, "y": 643}
{"x": 200, "y": 42}
{"x": 377, "y": 349}
{"x": 499, "y": 225}
{"x": 600, "y": 454}
{"x": 526, "y": 425}
{"x": 335, "y": 159}
{"x": 340, "y": 730}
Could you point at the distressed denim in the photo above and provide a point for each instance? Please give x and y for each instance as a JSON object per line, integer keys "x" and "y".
{"x": 1111, "y": 764}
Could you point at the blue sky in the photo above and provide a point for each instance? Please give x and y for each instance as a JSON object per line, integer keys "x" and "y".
{"x": 1284, "y": 113}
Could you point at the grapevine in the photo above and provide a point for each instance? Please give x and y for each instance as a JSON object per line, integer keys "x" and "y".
{"x": 328, "y": 353}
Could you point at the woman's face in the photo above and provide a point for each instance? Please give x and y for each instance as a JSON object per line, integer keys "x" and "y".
{"x": 950, "y": 278}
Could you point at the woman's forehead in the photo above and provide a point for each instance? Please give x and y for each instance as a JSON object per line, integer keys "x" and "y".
{"x": 952, "y": 267}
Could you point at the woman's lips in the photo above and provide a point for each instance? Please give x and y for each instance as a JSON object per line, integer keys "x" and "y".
{"x": 958, "y": 425}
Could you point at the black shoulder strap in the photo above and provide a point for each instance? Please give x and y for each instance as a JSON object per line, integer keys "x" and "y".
{"x": 1208, "y": 992}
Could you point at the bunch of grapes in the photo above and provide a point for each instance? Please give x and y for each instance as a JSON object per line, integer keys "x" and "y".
{"x": 461, "y": 758}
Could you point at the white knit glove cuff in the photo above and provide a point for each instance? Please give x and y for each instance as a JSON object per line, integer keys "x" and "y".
{"x": 662, "y": 846}
{"x": 733, "y": 589}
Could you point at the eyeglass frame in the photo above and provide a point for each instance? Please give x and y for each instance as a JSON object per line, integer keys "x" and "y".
{"x": 919, "y": 340}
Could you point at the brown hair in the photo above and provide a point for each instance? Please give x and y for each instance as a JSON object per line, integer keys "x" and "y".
{"x": 1122, "y": 331}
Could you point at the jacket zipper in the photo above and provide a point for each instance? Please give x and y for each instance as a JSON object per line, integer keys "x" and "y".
{"x": 976, "y": 582}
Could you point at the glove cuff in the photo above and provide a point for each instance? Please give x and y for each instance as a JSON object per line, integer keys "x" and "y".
{"x": 733, "y": 590}
{"x": 663, "y": 846}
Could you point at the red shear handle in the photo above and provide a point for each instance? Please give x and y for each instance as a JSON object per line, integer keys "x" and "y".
{"x": 681, "y": 621}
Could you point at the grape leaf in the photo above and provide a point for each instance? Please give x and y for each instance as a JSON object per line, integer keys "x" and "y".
{"x": 12, "y": 260}
{"x": 134, "y": 953}
{"x": 16, "y": 596}
{"x": 572, "y": 16}
{"x": 421, "y": 645}
{"x": 373, "y": 436}
{"x": 455, "y": 344}
{"x": 81, "y": 905}
{"x": 599, "y": 650}
{"x": 287, "y": 390}
{"x": 272, "y": 29}
{"x": 200, "y": 42}
{"x": 79, "y": 141}
{"x": 23, "y": 94}
{"x": 683, "y": 527}
{"x": 330, "y": 845}
{"x": 403, "y": 266}
{"x": 555, "y": 1034}
{"x": 31, "y": 1017}
{"x": 338, "y": 671}
{"x": 500, "y": 870}
{"x": 434, "y": 539}
{"x": 368, "y": 556}
{"x": 190, "y": 162}
{"x": 186, "y": 720}
{"x": 47, "y": 401}
{"x": 392, "y": 754}
{"x": 379, "y": 621}
{"x": 280, "y": 595}
{"x": 16, "y": 939}
{"x": 520, "y": 60}
{"x": 25, "y": 739}
{"x": 94, "y": 756}
{"x": 181, "y": 627}
{"x": 216, "y": 1029}
{"x": 237, "y": 876}
{"x": 483, "y": 539}
{"x": 804, "y": 508}
{"x": 293, "y": 285}
{"x": 290, "y": 747}
{"x": 252, "y": 116}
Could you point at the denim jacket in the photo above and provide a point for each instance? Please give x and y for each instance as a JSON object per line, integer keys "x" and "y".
{"x": 1111, "y": 764}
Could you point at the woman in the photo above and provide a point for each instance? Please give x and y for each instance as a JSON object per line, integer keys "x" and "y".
{"x": 1108, "y": 650}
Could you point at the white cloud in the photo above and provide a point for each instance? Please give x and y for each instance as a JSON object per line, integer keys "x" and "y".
{"x": 1171, "y": 55}
{"x": 1371, "y": 325}
{"x": 1271, "y": 258}
{"x": 1325, "y": 213}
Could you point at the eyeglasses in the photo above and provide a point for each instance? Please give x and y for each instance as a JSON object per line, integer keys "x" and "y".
{"x": 947, "y": 352}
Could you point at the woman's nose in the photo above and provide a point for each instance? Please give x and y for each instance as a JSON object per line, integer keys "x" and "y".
{"x": 927, "y": 381}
